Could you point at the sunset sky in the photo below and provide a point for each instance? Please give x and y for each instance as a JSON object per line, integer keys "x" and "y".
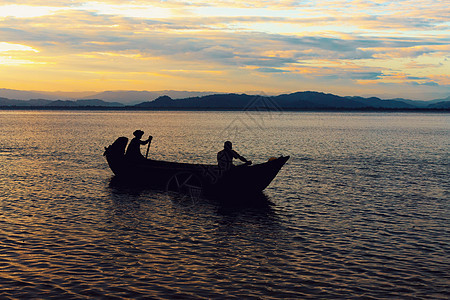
{"x": 382, "y": 48}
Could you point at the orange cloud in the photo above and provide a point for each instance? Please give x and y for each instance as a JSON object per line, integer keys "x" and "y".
{"x": 257, "y": 45}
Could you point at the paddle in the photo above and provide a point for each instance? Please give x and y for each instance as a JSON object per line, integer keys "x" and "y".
{"x": 148, "y": 147}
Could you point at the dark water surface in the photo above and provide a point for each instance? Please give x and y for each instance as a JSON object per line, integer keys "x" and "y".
{"x": 360, "y": 211}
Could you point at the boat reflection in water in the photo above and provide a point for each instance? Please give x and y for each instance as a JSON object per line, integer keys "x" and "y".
{"x": 243, "y": 182}
{"x": 127, "y": 190}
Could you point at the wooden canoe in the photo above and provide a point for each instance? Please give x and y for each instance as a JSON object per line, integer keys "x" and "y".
{"x": 192, "y": 179}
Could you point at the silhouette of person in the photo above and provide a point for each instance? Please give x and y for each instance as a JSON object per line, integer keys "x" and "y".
{"x": 134, "y": 148}
{"x": 225, "y": 157}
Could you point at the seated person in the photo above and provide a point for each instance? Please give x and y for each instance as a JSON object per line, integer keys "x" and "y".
{"x": 225, "y": 157}
{"x": 134, "y": 148}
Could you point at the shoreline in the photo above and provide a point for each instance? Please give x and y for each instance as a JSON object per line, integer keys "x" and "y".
{"x": 256, "y": 109}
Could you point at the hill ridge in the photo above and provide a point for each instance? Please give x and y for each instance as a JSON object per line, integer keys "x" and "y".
{"x": 294, "y": 101}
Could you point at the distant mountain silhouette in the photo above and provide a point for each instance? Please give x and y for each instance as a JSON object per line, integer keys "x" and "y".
{"x": 133, "y": 97}
{"x": 163, "y": 100}
{"x": 308, "y": 100}
{"x": 32, "y": 102}
{"x": 125, "y": 97}
{"x": 422, "y": 104}
{"x": 58, "y": 103}
{"x": 85, "y": 102}
{"x": 379, "y": 103}
{"x": 25, "y": 95}
{"x": 440, "y": 105}
{"x": 299, "y": 100}
{"x": 209, "y": 101}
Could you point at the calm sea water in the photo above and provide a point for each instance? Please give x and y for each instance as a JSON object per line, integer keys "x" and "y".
{"x": 360, "y": 211}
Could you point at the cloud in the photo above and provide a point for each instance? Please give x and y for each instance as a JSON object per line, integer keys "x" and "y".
{"x": 350, "y": 42}
{"x": 4, "y": 47}
{"x": 89, "y": 31}
{"x": 270, "y": 70}
{"x": 428, "y": 83}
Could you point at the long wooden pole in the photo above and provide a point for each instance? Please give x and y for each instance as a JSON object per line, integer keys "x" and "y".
{"x": 148, "y": 147}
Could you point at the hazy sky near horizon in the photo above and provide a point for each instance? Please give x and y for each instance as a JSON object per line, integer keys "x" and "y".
{"x": 384, "y": 48}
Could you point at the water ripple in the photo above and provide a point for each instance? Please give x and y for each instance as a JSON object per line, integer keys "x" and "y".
{"x": 360, "y": 211}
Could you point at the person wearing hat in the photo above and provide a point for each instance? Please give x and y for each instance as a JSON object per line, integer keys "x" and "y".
{"x": 134, "y": 148}
{"x": 225, "y": 157}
